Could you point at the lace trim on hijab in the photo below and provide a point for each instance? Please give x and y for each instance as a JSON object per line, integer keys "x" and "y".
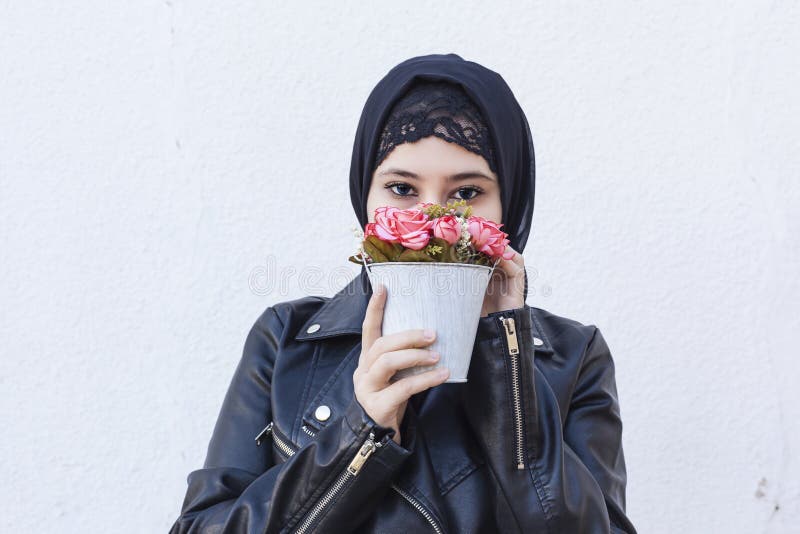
{"x": 441, "y": 109}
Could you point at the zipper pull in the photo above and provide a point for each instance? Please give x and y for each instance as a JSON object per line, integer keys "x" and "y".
{"x": 511, "y": 335}
{"x": 260, "y": 436}
{"x": 365, "y": 452}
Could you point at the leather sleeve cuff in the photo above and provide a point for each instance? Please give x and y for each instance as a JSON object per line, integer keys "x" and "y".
{"x": 358, "y": 419}
{"x": 392, "y": 454}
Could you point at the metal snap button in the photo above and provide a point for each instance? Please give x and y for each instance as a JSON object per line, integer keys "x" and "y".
{"x": 537, "y": 341}
{"x": 322, "y": 413}
{"x": 313, "y": 328}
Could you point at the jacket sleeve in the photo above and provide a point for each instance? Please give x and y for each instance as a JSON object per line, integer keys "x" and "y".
{"x": 333, "y": 480}
{"x": 570, "y": 475}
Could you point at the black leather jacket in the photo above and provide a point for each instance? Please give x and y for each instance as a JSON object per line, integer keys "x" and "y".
{"x": 531, "y": 443}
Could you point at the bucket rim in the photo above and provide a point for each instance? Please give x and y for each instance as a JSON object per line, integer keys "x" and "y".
{"x": 431, "y": 263}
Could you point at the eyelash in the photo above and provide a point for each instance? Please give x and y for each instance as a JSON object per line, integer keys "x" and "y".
{"x": 389, "y": 186}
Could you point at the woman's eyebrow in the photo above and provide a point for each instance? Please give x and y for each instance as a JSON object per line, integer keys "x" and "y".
{"x": 466, "y": 175}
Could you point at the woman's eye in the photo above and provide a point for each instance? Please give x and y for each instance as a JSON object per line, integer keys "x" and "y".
{"x": 469, "y": 191}
{"x": 403, "y": 189}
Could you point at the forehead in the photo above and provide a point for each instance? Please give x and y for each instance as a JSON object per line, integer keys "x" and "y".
{"x": 433, "y": 156}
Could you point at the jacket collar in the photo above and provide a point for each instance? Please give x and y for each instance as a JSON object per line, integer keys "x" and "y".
{"x": 340, "y": 314}
{"x": 343, "y": 314}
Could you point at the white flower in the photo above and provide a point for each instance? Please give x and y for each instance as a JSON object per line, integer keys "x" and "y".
{"x": 358, "y": 239}
{"x": 357, "y": 232}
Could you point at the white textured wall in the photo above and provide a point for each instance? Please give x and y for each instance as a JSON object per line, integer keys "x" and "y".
{"x": 159, "y": 159}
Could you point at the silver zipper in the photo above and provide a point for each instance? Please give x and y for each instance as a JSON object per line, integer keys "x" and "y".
{"x": 414, "y": 502}
{"x": 279, "y": 442}
{"x": 260, "y": 436}
{"x": 513, "y": 351}
{"x": 418, "y": 505}
{"x": 351, "y": 472}
{"x": 367, "y": 448}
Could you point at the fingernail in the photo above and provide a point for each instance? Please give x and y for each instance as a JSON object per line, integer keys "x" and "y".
{"x": 428, "y": 333}
{"x": 434, "y": 356}
{"x": 443, "y": 372}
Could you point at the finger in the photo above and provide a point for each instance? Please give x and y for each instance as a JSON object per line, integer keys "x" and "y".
{"x": 512, "y": 267}
{"x": 518, "y": 259}
{"x": 407, "y": 339}
{"x": 405, "y": 387}
{"x": 507, "y": 272}
{"x": 373, "y": 319}
{"x": 389, "y": 363}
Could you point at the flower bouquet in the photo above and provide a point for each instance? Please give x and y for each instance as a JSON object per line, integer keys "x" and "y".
{"x": 435, "y": 262}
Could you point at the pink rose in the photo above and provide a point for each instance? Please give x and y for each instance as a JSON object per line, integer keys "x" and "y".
{"x": 488, "y": 238}
{"x": 369, "y": 230}
{"x": 448, "y": 228}
{"x": 411, "y": 228}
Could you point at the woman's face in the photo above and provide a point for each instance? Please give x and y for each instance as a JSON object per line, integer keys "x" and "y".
{"x": 434, "y": 170}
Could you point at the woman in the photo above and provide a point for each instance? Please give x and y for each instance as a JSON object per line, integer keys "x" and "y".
{"x": 531, "y": 443}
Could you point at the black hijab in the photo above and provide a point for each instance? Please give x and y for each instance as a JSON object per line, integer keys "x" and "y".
{"x": 507, "y": 123}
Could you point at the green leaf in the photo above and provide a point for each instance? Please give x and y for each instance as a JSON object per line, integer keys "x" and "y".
{"x": 374, "y": 252}
{"x": 439, "y": 242}
{"x": 389, "y": 250}
{"x": 451, "y": 254}
{"x": 414, "y": 255}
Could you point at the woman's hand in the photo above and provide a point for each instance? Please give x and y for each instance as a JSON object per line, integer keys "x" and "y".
{"x": 506, "y": 290}
{"x": 381, "y": 357}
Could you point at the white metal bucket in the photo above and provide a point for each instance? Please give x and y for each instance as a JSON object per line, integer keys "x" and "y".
{"x": 446, "y": 297}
